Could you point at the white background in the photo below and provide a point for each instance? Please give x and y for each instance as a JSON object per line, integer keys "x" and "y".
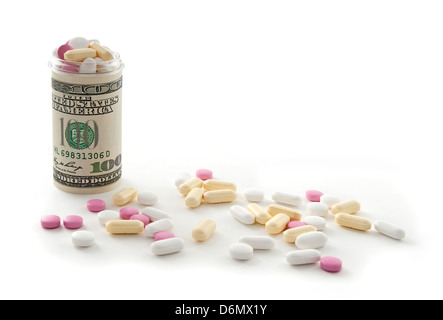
{"x": 339, "y": 96}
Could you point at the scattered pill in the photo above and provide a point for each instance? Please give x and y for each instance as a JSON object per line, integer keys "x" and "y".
{"x": 287, "y": 198}
{"x": 349, "y": 206}
{"x": 96, "y": 205}
{"x": 242, "y": 214}
{"x": 156, "y": 226}
{"x": 291, "y": 235}
{"x": 190, "y": 184}
{"x": 155, "y": 214}
{"x": 182, "y": 178}
{"x": 124, "y": 226}
{"x": 253, "y": 195}
{"x": 102, "y": 52}
{"x": 106, "y": 215}
{"x": 127, "y": 212}
{"x": 141, "y": 217}
{"x": 311, "y": 240}
{"x": 331, "y": 264}
{"x": 78, "y": 55}
{"x": 194, "y": 198}
{"x": 352, "y": 221}
{"x": 89, "y": 65}
{"x": 212, "y": 184}
{"x": 220, "y": 196}
{"x": 258, "y": 242}
{"x": 204, "y": 230}
{"x": 274, "y": 209}
{"x": 73, "y": 222}
{"x": 162, "y": 235}
{"x": 261, "y": 215}
{"x": 295, "y": 224}
{"x": 329, "y": 199}
{"x": 50, "y": 221}
{"x": 316, "y": 221}
{"x": 147, "y": 198}
{"x": 305, "y": 256}
{"x": 78, "y": 43}
{"x": 241, "y": 251}
{"x": 204, "y": 174}
{"x": 62, "y": 49}
{"x": 167, "y": 246}
{"x": 124, "y": 196}
{"x": 313, "y": 195}
{"x": 83, "y": 238}
{"x": 389, "y": 229}
{"x": 317, "y": 209}
{"x": 277, "y": 223}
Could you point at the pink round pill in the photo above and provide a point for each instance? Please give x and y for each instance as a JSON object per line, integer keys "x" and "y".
{"x": 295, "y": 224}
{"x": 203, "y": 174}
{"x": 313, "y": 195}
{"x": 96, "y": 205}
{"x": 141, "y": 217}
{"x": 161, "y": 235}
{"x": 127, "y": 212}
{"x": 62, "y": 49}
{"x": 50, "y": 221}
{"x": 73, "y": 222}
{"x": 330, "y": 264}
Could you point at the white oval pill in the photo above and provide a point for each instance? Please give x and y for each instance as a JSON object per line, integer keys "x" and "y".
{"x": 89, "y": 65}
{"x": 241, "y": 251}
{"x": 242, "y": 214}
{"x": 107, "y": 215}
{"x": 317, "y": 209}
{"x": 259, "y": 242}
{"x": 79, "y": 43}
{"x": 311, "y": 240}
{"x": 83, "y": 238}
{"x": 305, "y": 256}
{"x": 316, "y": 221}
{"x": 147, "y": 198}
{"x": 287, "y": 198}
{"x": 389, "y": 229}
{"x": 155, "y": 214}
{"x": 329, "y": 199}
{"x": 254, "y": 195}
{"x": 167, "y": 246}
{"x": 156, "y": 226}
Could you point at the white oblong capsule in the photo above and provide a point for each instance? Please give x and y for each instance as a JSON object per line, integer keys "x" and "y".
{"x": 317, "y": 209}
{"x": 107, "y": 215}
{"x": 316, "y": 221}
{"x": 156, "y": 226}
{"x": 305, "y": 256}
{"x": 242, "y": 214}
{"x": 253, "y": 195}
{"x": 258, "y": 242}
{"x": 241, "y": 251}
{"x": 389, "y": 229}
{"x": 287, "y": 198}
{"x": 329, "y": 199}
{"x": 155, "y": 214}
{"x": 167, "y": 246}
{"x": 311, "y": 240}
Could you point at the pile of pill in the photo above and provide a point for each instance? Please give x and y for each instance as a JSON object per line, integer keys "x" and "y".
{"x": 84, "y": 56}
{"x": 305, "y": 232}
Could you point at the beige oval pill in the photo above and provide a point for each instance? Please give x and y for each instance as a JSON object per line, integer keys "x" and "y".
{"x": 124, "y": 226}
{"x": 274, "y": 209}
{"x": 261, "y": 215}
{"x": 190, "y": 184}
{"x": 212, "y": 184}
{"x": 277, "y": 223}
{"x": 204, "y": 230}
{"x": 353, "y": 222}
{"x": 220, "y": 196}
{"x": 350, "y": 206}
{"x": 290, "y": 235}
{"x": 124, "y": 196}
{"x": 194, "y": 198}
{"x": 79, "y": 55}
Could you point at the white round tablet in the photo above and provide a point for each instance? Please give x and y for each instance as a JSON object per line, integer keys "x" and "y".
{"x": 241, "y": 251}
{"x": 147, "y": 198}
{"x": 253, "y": 195}
{"x": 83, "y": 238}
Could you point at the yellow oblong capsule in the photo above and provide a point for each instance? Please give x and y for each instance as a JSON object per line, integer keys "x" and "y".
{"x": 290, "y": 235}
{"x": 124, "y": 226}
{"x": 277, "y": 223}
{"x": 352, "y": 221}
{"x": 124, "y": 196}
{"x": 194, "y": 198}
{"x": 274, "y": 209}
{"x": 204, "y": 230}
{"x": 220, "y": 196}
{"x": 78, "y": 55}
{"x": 350, "y": 206}
{"x": 190, "y": 184}
{"x": 261, "y": 215}
{"x": 212, "y": 184}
